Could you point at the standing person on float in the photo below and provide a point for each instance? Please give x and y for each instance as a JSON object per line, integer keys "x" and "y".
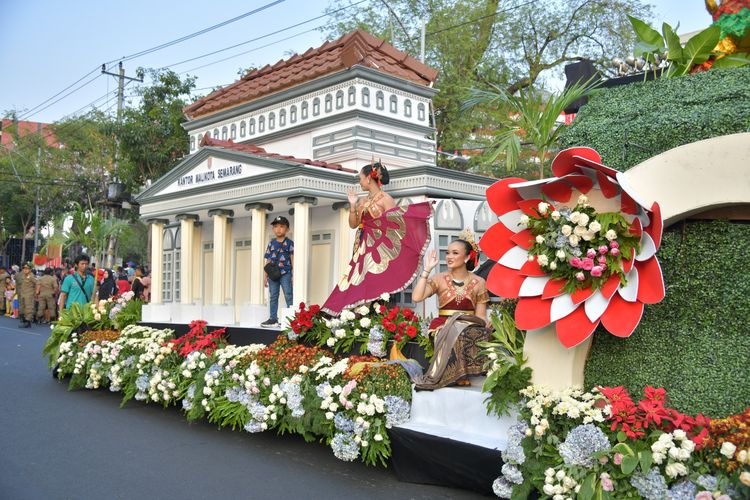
{"x": 278, "y": 269}
{"x": 389, "y": 238}
{"x": 137, "y": 287}
{"x": 26, "y": 289}
{"x": 78, "y": 287}
{"x": 462, "y": 307}
{"x": 46, "y": 290}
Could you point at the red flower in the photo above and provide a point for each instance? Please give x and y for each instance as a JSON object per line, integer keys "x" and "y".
{"x": 655, "y": 394}
{"x": 391, "y": 327}
{"x": 411, "y": 331}
{"x": 408, "y": 314}
{"x": 652, "y": 412}
{"x": 314, "y": 309}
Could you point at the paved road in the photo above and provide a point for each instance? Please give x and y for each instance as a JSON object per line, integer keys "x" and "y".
{"x": 56, "y": 444}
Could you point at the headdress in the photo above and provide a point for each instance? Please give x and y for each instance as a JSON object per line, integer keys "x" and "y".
{"x": 376, "y": 173}
{"x": 467, "y": 235}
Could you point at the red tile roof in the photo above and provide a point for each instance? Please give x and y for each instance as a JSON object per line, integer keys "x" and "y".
{"x": 258, "y": 151}
{"x": 10, "y": 128}
{"x": 355, "y": 48}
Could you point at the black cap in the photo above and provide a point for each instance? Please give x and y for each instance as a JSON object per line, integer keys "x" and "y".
{"x": 27, "y": 264}
{"x": 280, "y": 220}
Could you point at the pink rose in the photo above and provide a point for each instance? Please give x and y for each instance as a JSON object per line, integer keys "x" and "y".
{"x": 614, "y": 252}
{"x": 614, "y": 244}
{"x": 704, "y": 495}
{"x": 587, "y": 264}
{"x": 607, "y": 484}
{"x": 617, "y": 459}
{"x": 591, "y": 253}
{"x": 580, "y": 276}
{"x": 575, "y": 262}
{"x": 603, "y": 249}
{"x": 596, "y": 271}
{"x": 602, "y": 259}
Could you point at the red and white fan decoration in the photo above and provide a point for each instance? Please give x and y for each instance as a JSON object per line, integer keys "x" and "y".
{"x": 541, "y": 300}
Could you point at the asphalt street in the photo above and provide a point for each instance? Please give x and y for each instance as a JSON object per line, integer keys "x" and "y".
{"x": 57, "y": 444}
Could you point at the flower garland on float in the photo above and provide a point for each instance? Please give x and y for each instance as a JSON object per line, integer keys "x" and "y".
{"x": 577, "y": 249}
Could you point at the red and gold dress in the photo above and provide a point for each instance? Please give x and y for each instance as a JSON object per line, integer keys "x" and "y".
{"x": 457, "y": 331}
{"x": 388, "y": 252}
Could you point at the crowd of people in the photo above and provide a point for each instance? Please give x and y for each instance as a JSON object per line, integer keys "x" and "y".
{"x": 36, "y": 295}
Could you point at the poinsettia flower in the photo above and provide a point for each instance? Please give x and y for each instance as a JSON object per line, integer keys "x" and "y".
{"x": 542, "y": 300}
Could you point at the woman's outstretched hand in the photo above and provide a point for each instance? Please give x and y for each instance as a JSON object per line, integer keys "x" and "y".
{"x": 432, "y": 260}
{"x": 351, "y": 194}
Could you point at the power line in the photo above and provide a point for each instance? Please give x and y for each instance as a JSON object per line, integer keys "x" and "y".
{"x": 196, "y": 33}
{"x": 63, "y": 90}
{"x": 472, "y": 21}
{"x": 29, "y": 115}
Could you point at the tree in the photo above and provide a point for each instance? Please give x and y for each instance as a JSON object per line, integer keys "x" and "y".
{"x": 531, "y": 122}
{"x": 151, "y": 134}
{"x": 483, "y": 43}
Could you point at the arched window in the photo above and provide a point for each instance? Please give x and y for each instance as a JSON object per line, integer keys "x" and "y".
{"x": 380, "y": 100}
{"x": 420, "y": 112}
{"x": 339, "y": 99}
{"x": 352, "y": 96}
{"x": 251, "y": 126}
{"x": 394, "y": 104}
{"x": 233, "y": 131}
{"x": 271, "y": 121}
{"x": 243, "y": 128}
{"x": 282, "y": 118}
{"x": 303, "y": 112}
{"x": 216, "y": 133}
{"x": 316, "y": 106}
{"x": 261, "y": 124}
{"x": 176, "y": 261}
{"x": 293, "y": 114}
{"x": 192, "y": 143}
{"x": 224, "y": 133}
{"x": 366, "y": 97}
{"x": 167, "y": 265}
{"x": 329, "y": 103}
{"x": 407, "y": 108}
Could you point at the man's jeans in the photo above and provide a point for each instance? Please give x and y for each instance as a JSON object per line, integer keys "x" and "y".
{"x": 285, "y": 283}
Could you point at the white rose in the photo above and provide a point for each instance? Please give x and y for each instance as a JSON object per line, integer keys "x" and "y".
{"x": 331, "y": 342}
{"x": 566, "y": 230}
{"x": 553, "y": 265}
{"x": 583, "y": 220}
{"x": 675, "y": 469}
{"x": 543, "y": 261}
{"x": 357, "y": 332}
{"x": 364, "y": 444}
{"x": 523, "y": 220}
{"x": 363, "y": 311}
{"x": 340, "y": 333}
{"x": 573, "y": 240}
{"x": 742, "y": 456}
{"x": 555, "y": 215}
{"x": 683, "y": 455}
{"x": 611, "y": 235}
{"x": 329, "y": 415}
{"x": 560, "y": 475}
{"x": 745, "y": 478}
{"x": 378, "y": 437}
{"x": 540, "y": 239}
{"x": 595, "y": 227}
{"x": 579, "y": 230}
{"x": 365, "y": 323}
{"x": 588, "y": 236}
{"x": 583, "y": 200}
{"x": 674, "y": 453}
{"x": 548, "y": 489}
{"x": 728, "y": 449}
{"x": 543, "y": 207}
{"x": 575, "y": 217}
{"x": 688, "y": 445}
{"x": 560, "y": 254}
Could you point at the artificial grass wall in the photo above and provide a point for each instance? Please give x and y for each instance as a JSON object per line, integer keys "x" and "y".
{"x": 631, "y": 123}
{"x": 696, "y": 342}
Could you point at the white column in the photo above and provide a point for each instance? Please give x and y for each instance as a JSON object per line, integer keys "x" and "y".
{"x": 157, "y": 255}
{"x": 301, "y": 206}
{"x": 258, "y": 213}
{"x": 220, "y": 217}
{"x": 187, "y": 237}
{"x": 344, "y": 239}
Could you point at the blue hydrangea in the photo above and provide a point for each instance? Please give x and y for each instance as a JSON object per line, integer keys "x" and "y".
{"x": 293, "y": 398}
{"x": 652, "y": 486}
{"x": 253, "y": 426}
{"x": 709, "y": 483}
{"x": 321, "y": 388}
{"x": 187, "y": 404}
{"x": 233, "y": 394}
{"x": 215, "y": 370}
{"x": 191, "y": 391}
{"x": 344, "y": 447}
{"x": 582, "y": 442}
{"x": 513, "y": 453}
{"x": 141, "y": 383}
{"x": 128, "y": 361}
{"x": 397, "y": 411}
{"x": 512, "y": 474}
{"x": 257, "y": 410}
{"x": 343, "y": 423}
{"x": 375, "y": 342}
{"x": 502, "y": 488}
{"x": 684, "y": 490}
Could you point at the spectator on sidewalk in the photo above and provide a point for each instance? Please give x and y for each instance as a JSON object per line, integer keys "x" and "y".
{"x": 46, "y": 289}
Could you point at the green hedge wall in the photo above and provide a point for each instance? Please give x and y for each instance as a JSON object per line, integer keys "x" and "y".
{"x": 696, "y": 342}
{"x": 660, "y": 115}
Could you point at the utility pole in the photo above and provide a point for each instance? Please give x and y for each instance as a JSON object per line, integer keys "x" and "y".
{"x": 113, "y": 192}
{"x": 421, "y": 45}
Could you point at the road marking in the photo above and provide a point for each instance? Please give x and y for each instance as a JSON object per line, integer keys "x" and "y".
{"x": 13, "y": 330}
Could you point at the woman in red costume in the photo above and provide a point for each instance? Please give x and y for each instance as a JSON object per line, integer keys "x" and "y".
{"x": 389, "y": 245}
{"x": 461, "y": 323}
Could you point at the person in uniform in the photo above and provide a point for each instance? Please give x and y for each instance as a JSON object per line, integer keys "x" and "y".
{"x": 46, "y": 289}
{"x": 26, "y": 287}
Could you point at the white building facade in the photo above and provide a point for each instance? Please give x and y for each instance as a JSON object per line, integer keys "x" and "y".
{"x": 289, "y": 140}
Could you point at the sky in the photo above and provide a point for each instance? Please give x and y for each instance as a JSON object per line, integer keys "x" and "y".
{"x": 47, "y": 45}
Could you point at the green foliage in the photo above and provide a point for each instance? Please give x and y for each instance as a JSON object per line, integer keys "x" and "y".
{"x": 695, "y": 342}
{"x": 506, "y": 374}
{"x": 70, "y": 320}
{"x": 129, "y": 315}
{"x": 629, "y": 124}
